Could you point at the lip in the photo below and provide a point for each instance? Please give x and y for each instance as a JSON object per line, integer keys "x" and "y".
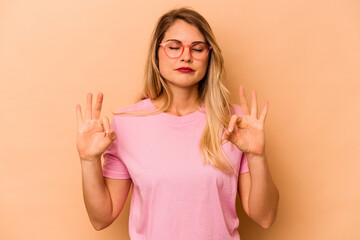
{"x": 185, "y": 69}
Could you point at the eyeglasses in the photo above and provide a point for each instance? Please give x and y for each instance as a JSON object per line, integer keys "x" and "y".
{"x": 198, "y": 50}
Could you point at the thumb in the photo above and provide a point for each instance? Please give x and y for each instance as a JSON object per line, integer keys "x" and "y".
{"x": 109, "y": 133}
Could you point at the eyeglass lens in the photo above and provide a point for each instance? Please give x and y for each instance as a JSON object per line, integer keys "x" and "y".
{"x": 198, "y": 50}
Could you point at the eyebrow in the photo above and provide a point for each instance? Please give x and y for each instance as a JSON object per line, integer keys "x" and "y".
{"x": 181, "y": 42}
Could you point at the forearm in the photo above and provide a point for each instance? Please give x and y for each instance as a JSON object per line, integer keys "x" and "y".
{"x": 264, "y": 196}
{"x": 96, "y": 195}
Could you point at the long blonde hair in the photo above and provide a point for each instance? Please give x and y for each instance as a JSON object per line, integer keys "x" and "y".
{"x": 212, "y": 91}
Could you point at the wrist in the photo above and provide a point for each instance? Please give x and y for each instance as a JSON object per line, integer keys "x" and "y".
{"x": 254, "y": 156}
{"x": 90, "y": 158}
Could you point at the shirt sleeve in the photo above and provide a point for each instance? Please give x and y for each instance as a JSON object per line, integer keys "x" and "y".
{"x": 243, "y": 164}
{"x": 113, "y": 166}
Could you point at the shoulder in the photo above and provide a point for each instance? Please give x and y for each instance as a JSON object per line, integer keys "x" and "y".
{"x": 129, "y": 116}
{"x": 140, "y": 106}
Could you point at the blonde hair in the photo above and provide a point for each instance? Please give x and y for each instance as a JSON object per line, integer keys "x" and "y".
{"x": 212, "y": 91}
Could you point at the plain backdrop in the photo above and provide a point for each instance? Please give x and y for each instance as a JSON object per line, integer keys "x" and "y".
{"x": 301, "y": 55}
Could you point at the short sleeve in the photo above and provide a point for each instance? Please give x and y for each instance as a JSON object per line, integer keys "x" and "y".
{"x": 243, "y": 164}
{"x": 113, "y": 166}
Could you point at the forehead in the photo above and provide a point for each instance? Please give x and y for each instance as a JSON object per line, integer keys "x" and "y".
{"x": 183, "y": 32}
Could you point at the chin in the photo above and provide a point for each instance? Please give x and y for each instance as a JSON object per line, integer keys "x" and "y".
{"x": 183, "y": 83}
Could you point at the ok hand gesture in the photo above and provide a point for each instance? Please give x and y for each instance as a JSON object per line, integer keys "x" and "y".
{"x": 93, "y": 135}
{"x": 247, "y": 132}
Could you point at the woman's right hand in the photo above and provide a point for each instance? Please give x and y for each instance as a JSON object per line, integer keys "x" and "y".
{"x": 93, "y": 135}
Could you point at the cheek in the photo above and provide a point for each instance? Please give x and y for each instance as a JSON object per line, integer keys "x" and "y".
{"x": 165, "y": 64}
{"x": 203, "y": 66}
{"x": 161, "y": 61}
{"x": 162, "y": 66}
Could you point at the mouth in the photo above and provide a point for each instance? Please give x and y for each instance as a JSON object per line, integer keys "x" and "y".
{"x": 185, "y": 69}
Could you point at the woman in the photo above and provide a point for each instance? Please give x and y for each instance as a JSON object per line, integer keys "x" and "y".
{"x": 185, "y": 149}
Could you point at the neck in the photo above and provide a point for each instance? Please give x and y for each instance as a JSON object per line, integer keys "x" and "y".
{"x": 185, "y": 101}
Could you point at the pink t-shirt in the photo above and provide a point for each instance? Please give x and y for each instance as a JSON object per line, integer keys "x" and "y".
{"x": 174, "y": 195}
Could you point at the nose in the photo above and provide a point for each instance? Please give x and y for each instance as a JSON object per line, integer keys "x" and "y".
{"x": 186, "y": 56}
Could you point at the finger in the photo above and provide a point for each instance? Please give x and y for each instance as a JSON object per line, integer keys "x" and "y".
{"x": 243, "y": 103}
{"x": 79, "y": 115}
{"x": 225, "y": 136}
{"x": 108, "y": 131}
{"x": 233, "y": 120}
{"x": 106, "y": 125}
{"x": 239, "y": 122}
{"x": 253, "y": 104}
{"x": 226, "y": 133}
{"x": 88, "y": 106}
{"x": 97, "y": 107}
{"x": 264, "y": 112}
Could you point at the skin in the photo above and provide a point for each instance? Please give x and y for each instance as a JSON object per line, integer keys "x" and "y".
{"x": 104, "y": 198}
{"x": 258, "y": 193}
{"x": 183, "y": 85}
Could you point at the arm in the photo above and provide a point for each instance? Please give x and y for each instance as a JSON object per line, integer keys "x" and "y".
{"x": 104, "y": 198}
{"x": 258, "y": 192}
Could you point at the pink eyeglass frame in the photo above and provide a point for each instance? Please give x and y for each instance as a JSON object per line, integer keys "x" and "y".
{"x": 183, "y": 49}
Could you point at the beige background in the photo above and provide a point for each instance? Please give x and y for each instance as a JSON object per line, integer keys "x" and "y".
{"x": 302, "y": 56}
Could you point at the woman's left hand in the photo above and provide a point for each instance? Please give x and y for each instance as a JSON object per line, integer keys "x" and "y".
{"x": 247, "y": 132}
